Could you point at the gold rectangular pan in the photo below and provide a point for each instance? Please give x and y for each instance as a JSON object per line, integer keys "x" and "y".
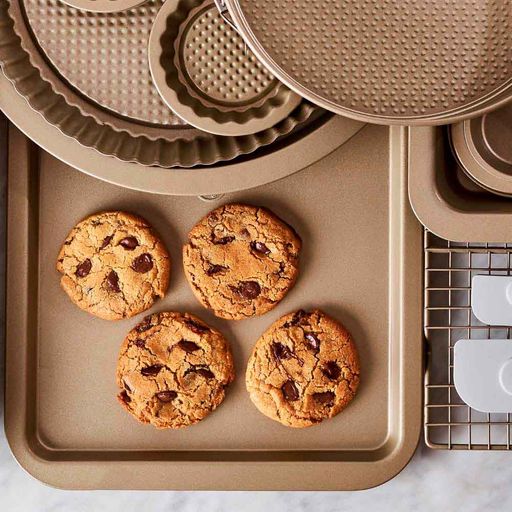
{"x": 446, "y": 200}
{"x": 361, "y": 263}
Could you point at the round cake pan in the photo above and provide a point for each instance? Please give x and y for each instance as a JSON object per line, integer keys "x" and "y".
{"x": 104, "y": 5}
{"x": 87, "y": 74}
{"x": 410, "y": 62}
{"x": 483, "y": 147}
{"x": 207, "y": 75}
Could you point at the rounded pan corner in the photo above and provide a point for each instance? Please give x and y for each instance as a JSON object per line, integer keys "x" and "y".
{"x": 25, "y": 456}
{"x": 436, "y": 207}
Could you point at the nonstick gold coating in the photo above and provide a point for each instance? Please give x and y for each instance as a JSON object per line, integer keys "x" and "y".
{"x": 483, "y": 146}
{"x": 61, "y": 417}
{"x": 386, "y": 61}
{"x": 104, "y": 55}
{"x": 206, "y": 74}
{"x": 106, "y": 6}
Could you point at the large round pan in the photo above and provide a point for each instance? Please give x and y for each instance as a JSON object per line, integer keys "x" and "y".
{"x": 386, "y": 61}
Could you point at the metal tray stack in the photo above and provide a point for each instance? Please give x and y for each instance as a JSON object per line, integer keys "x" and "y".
{"x": 80, "y": 83}
{"x": 456, "y": 209}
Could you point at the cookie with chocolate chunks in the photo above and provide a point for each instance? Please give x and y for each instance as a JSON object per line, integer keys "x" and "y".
{"x": 173, "y": 370}
{"x": 303, "y": 370}
{"x": 114, "y": 265}
{"x": 241, "y": 260}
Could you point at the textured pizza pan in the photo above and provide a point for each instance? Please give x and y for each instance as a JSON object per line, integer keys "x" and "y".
{"x": 386, "y": 61}
{"x": 446, "y": 200}
{"x": 323, "y": 135}
{"x": 362, "y": 265}
{"x": 483, "y": 146}
{"x": 104, "y": 5}
{"x": 88, "y": 74}
{"x": 206, "y": 74}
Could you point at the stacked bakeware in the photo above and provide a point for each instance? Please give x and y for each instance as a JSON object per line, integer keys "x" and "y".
{"x": 223, "y": 100}
{"x": 484, "y": 150}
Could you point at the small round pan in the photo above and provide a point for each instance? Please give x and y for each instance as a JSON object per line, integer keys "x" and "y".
{"x": 205, "y": 73}
{"x": 104, "y": 5}
{"x": 484, "y": 148}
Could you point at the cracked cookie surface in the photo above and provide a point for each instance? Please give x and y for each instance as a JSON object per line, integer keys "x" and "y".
{"x": 241, "y": 260}
{"x": 173, "y": 370}
{"x": 303, "y": 369}
{"x": 114, "y": 265}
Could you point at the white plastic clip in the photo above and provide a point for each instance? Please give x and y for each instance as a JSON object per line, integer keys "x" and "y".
{"x": 482, "y": 374}
{"x": 491, "y": 299}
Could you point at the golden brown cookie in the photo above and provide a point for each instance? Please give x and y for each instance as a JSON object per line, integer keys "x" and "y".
{"x": 173, "y": 370}
{"x": 241, "y": 260}
{"x": 114, "y": 265}
{"x": 304, "y": 369}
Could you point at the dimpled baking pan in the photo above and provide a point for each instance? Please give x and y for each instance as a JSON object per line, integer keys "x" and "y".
{"x": 386, "y": 61}
{"x": 483, "y": 146}
{"x": 206, "y": 74}
{"x": 88, "y": 74}
{"x": 446, "y": 200}
{"x": 361, "y": 265}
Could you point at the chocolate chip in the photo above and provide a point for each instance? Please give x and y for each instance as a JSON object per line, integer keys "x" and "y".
{"x": 312, "y": 341}
{"x": 139, "y": 343}
{"x": 84, "y": 268}
{"x": 223, "y": 240}
{"x": 188, "y": 346}
{"x": 215, "y": 269}
{"x": 331, "y": 370}
{"x": 151, "y": 370}
{"x": 290, "y": 391}
{"x": 327, "y": 397}
{"x": 106, "y": 241}
{"x": 112, "y": 282}
{"x": 247, "y": 289}
{"x": 196, "y": 327}
{"x": 144, "y": 325}
{"x": 123, "y": 396}
{"x": 166, "y": 396}
{"x": 205, "y": 372}
{"x": 129, "y": 243}
{"x": 281, "y": 351}
{"x": 260, "y": 247}
{"x": 142, "y": 263}
{"x": 296, "y": 318}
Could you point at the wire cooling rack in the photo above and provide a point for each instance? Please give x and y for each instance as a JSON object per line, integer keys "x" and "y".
{"x": 449, "y": 266}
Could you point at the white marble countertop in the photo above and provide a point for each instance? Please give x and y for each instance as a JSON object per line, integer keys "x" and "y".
{"x": 442, "y": 480}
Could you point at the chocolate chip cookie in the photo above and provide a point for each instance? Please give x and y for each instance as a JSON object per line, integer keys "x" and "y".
{"x": 173, "y": 370}
{"x": 241, "y": 260}
{"x": 304, "y": 369}
{"x": 114, "y": 265}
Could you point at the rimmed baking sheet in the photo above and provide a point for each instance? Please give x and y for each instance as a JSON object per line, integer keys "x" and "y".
{"x": 361, "y": 264}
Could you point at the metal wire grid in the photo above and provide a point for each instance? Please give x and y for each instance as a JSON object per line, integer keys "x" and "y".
{"x": 449, "y": 266}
